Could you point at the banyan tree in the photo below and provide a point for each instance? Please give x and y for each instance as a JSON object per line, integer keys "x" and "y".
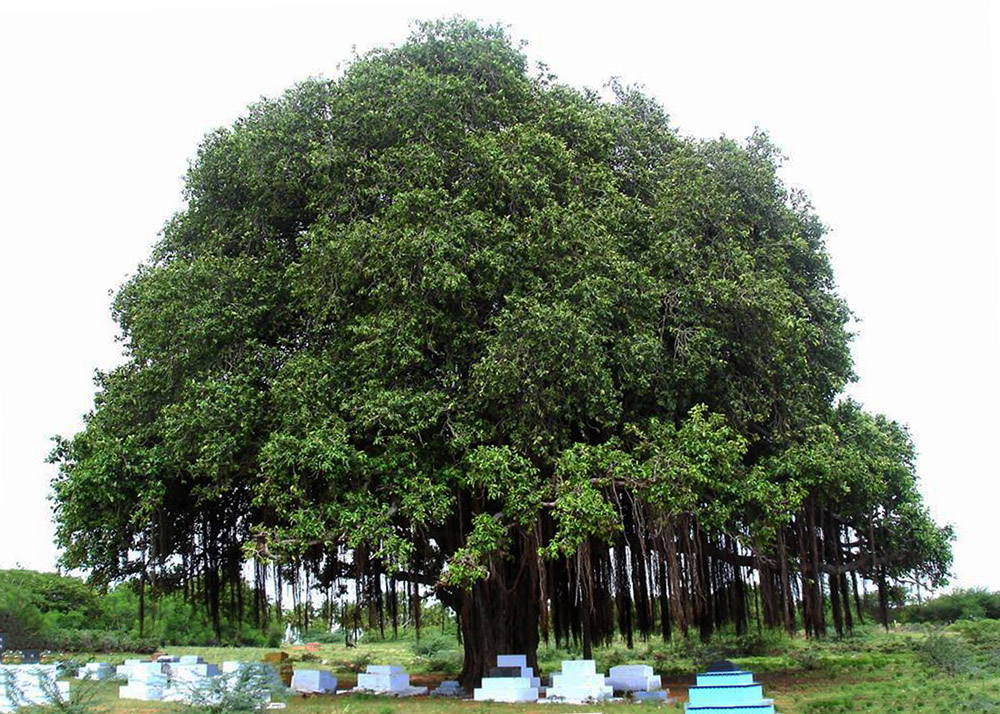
{"x": 445, "y": 328}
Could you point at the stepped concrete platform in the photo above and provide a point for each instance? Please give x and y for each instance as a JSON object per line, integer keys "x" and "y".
{"x": 506, "y": 689}
{"x": 634, "y": 678}
{"x": 512, "y": 680}
{"x": 387, "y": 679}
{"x": 579, "y": 682}
{"x": 726, "y": 689}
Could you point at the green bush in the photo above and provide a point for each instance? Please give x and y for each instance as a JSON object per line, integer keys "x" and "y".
{"x": 99, "y": 641}
{"x": 275, "y": 635}
{"x": 807, "y": 658}
{"x": 991, "y": 662}
{"x": 611, "y": 658}
{"x": 429, "y": 644}
{"x": 63, "y": 602}
{"x": 728, "y": 645}
{"x": 983, "y": 703}
{"x": 978, "y": 632}
{"x": 21, "y": 620}
{"x": 962, "y": 604}
{"x": 946, "y": 654}
{"x": 444, "y": 662}
{"x": 758, "y": 644}
{"x": 242, "y": 691}
{"x": 324, "y": 637}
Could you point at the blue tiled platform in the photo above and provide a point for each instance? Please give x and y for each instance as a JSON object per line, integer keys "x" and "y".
{"x": 727, "y": 691}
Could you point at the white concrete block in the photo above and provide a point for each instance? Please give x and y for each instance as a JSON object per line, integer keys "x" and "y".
{"x": 96, "y": 671}
{"x": 501, "y": 683}
{"x": 153, "y": 672}
{"x": 634, "y": 678}
{"x": 384, "y": 669}
{"x": 313, "y": 681}
{"x": 377, "y": 682}
{"x": 508, "y": 694}
{"x": 581, "y": 667}
{"x": 512, "y": 660}
{"x": 192, "y": 672}
{"x": 660, "y": 695}
{"x": 579, "y": 682}
{"x": 142, "y": 690}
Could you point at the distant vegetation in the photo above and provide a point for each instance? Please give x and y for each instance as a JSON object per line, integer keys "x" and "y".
{"x": 963, "y": 604}
{"x": 50, "y": 611}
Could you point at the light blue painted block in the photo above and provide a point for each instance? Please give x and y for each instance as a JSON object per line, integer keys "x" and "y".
{"x": 725, "y": 695}
{"x": 727, "y": 692}
{"x": 313, "y": 681}
{"x": 706, "y": 679}
{"x": 765, "y": 706}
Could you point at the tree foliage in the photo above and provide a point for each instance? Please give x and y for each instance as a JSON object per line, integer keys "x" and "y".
{"x": 445, "y": 323}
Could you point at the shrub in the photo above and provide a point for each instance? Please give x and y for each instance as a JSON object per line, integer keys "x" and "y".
{"x": 358, "y": 663}
{"x": 430, "y": 644}
{"x": 991, "y": 662}
{"x": 962, "y": 604}
{"x": 983, "y": 703}
{"x": 806, "y": 658}
{"x": 98, "y": 641}
{"x": 82, "y": 698}
{"x": 324, "y": 637}
{"x": 275, "y": 635}
{"x": 20, "y": 619}
{"x": 51, "y": 611}
{"x": 445, "y": 662}
{"x": 245, "y": 690}
{"x": 946, "y": 654}
{"x": 978, "y": 632}
{"x": 611, "y": 658}
{"x": 758, "y": 644}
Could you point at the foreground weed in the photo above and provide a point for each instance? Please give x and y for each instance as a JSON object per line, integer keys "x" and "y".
{"x": 82, "y": 698}
{"x": 982, "y": 703}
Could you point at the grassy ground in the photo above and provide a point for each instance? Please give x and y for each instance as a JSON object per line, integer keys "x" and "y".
{"x": 874, "y": 672}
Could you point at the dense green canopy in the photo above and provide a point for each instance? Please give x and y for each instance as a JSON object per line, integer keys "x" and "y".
{"x": 446, "y": 323}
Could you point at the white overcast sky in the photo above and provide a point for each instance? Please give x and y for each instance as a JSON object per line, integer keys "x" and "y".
{"x": 888, "y": 112}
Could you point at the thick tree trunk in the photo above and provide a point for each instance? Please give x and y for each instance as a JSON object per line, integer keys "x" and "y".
{"x": 500, "y": 616}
